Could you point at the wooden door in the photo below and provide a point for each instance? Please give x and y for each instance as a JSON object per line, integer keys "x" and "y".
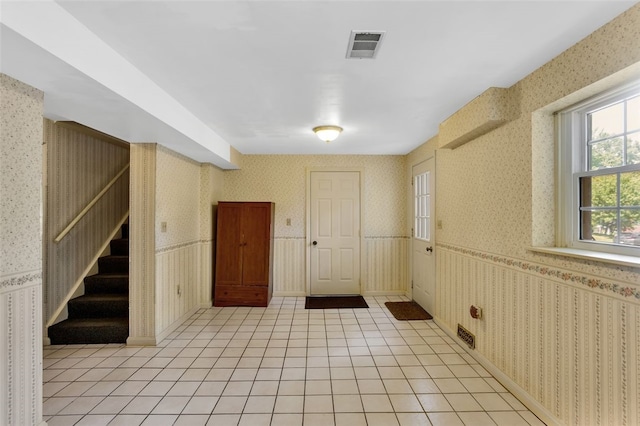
{"x": 256, "y": 218}
{"x": 229, "y": 243}
{"x": 335, "y": 233}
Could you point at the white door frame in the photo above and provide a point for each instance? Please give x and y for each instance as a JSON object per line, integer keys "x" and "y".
{"x": 363, "y": 256}
{"x": 411, "y": 214}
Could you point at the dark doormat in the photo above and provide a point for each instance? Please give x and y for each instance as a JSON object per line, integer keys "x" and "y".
{"x": 335, "y": 302}
{"x": 407, "y": 311}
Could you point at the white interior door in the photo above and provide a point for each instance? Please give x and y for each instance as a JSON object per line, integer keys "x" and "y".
{"x": 424, "y": 271}
{"x": 335, "y": 233}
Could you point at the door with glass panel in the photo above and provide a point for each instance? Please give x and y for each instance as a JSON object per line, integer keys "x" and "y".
{"x": 424, "y": 273}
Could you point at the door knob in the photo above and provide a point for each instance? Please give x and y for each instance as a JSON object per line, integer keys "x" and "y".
{"x": 315, "y": 243}
{"x": 429, "y": 248}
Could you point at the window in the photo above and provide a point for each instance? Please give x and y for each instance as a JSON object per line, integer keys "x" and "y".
{"x": 599, "y": 186}
{"x": 422, "y": 199}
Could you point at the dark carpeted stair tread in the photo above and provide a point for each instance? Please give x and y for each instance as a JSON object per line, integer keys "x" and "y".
{"x": 119, "y": 247}
{"x": 99, "y": 305}
{"x": 113, "y": 264}
{"x": 101, "y": 297}
{"x": 106, "y": 283}
{"x": 90, "y": 330}
{"x": 101, "y": 315}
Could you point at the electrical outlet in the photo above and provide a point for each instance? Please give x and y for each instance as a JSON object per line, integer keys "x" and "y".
{"x": 163, "y": 226}
{"x": 439, "y": 224}
{"x": 179, "y": 291}
{"x": 288, "y": 221}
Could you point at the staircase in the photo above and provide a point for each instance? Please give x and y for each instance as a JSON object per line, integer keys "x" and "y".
{"x": 101, "y": 315}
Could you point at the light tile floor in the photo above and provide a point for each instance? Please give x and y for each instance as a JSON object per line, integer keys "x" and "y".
{"x": 281, "y": 365}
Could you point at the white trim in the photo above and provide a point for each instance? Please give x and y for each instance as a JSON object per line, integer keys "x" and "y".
{"x": 523, "y": 396}
{"x": 174, "y": 325}
{"x": 363, "y": 258}
{"x": 433, "y": 225}
{"x": 616, "y": 259}
{"x": 289, "y": 293}
{"x": 141, "y": 341}
{"x": 385, "y": 293}
{"x": 571, "y": 164}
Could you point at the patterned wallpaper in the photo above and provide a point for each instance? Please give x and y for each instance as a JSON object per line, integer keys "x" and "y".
{"x": 177, "y": 199}
{"x": 211, "y": 191}
{"x": 21, "y": 165}
{"x": 495, "y": 197}
{"x": 20, "y": 253}
{"x": 282, "y": 179}
{"x": 494, "y": 107}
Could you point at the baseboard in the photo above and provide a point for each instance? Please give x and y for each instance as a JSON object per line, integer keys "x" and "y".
{"x": 289, "y": 294}
{"x": 141, "y": 341}
{"x": 174, "y": 325}
{"x": 523, "y": 396}
{"x": 385, "y": 293}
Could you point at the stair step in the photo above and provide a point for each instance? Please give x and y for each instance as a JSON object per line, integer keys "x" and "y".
{"x": 113, "y": 264}
{"x": 120, "y": 247}
{"x": 99, "y": 305}
{"x": 125, "y": 230}
{"x": 106, "y": 284}
{"x": 94, "y": 330}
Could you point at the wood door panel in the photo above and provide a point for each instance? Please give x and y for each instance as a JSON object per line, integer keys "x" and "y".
{"x": 255, "y": 251}
{"x": 241, "y": 296}
{"x": 229, "y": 245}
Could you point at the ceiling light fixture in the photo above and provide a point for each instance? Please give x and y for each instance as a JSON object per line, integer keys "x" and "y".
{"x": 327, "y": 133}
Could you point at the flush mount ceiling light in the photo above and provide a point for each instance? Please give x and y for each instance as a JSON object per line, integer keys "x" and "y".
{"x": 327, "y": 133}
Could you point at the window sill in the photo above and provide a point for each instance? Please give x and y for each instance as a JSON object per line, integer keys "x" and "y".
{"x": 616, "y": 259}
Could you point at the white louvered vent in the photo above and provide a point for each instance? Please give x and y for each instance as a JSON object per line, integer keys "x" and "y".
{"x": 364, "y": 44}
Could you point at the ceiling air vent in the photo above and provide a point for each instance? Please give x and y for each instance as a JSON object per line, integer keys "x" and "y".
{"x": 364, "y": 44}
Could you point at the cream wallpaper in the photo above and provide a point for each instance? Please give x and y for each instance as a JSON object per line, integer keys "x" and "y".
{"x": 177, "y": 199}
{"x": 186, "y": 192}
{"x": 20, "y": 253}
{"x": 21, "y": 165}
{"x": 211, "y": 191}
{"x": 282, "y": 179}
{"x": 565, "y": 331}
{"x": 171, "y": 271}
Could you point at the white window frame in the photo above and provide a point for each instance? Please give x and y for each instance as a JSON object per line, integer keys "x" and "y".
{"x": 422, "y": 200}
{"x": 572, "y": 164}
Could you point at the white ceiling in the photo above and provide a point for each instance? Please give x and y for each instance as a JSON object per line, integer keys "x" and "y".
{"x": 200, "y": 76}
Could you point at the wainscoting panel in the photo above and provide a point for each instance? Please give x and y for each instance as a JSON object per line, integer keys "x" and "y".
{"x": 205, "y": 274}
{"x": 387, "y": 265}
{"x": 177, "y": 287}
{"x": 21, "y": 350}
{"x": 569, "y": 340}
{"x": 289, "y": 267}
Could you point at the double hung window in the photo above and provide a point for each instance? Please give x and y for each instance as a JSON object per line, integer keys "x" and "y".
{"x": 599, "y": 180}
